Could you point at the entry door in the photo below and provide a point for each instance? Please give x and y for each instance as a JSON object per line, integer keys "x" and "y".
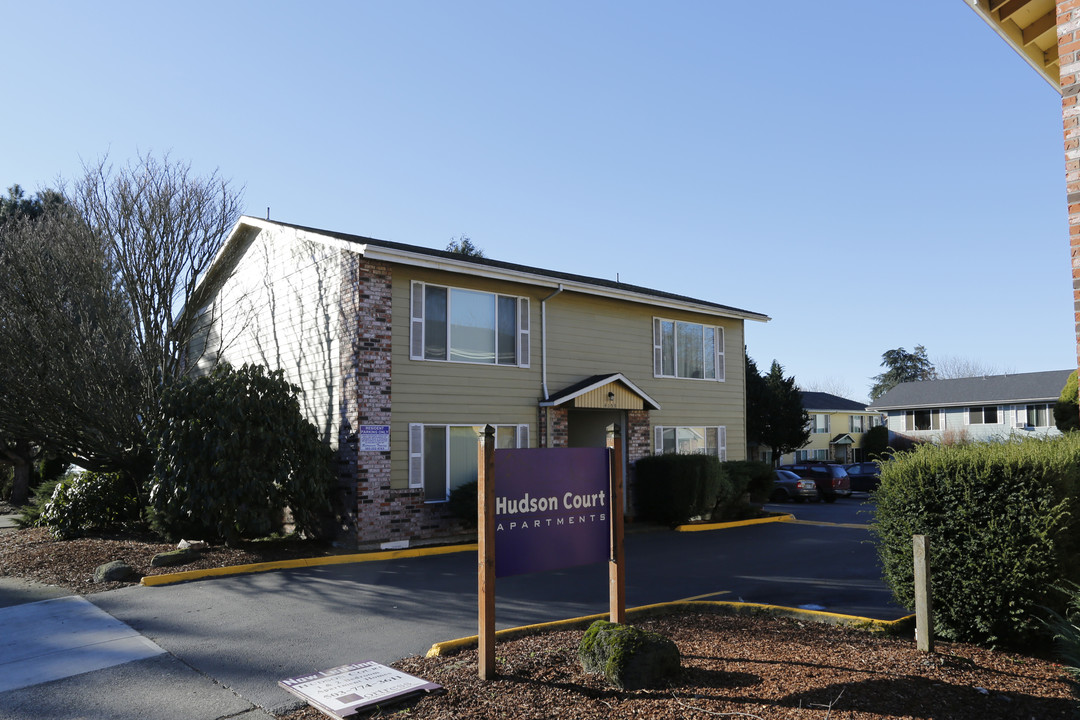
{"x": 588, "y": 428}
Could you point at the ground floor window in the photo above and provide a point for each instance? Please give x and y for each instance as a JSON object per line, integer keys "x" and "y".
{"x": 805, "y": 455}
{"x": 987, "y": 415}
{"x": 708, "y": 440}
{"x": 922, "y": 420}
{"x": 443, "y": 457}
{"x": 1039, "y": 416}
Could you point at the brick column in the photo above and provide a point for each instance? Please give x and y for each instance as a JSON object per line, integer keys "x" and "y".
{"x": 559, "y": 436}
{"x": 638, "y": 438}
{"x": 1068, "y": 29}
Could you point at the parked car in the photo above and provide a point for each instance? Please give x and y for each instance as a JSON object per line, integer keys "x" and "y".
{"x": 790, "y": 486}
{"x": 865, "y": 476}
{"x": 831, "y": 479}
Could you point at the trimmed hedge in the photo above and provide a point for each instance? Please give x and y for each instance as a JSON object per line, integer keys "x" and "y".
{"x": 673, "y": 488}
{"x": 998, "y": 517}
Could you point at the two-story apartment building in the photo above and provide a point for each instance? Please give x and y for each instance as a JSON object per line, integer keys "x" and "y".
{"x": 404, "y": 353}
{"x": 986, "y": 408}
{"x": 837, "y": 426}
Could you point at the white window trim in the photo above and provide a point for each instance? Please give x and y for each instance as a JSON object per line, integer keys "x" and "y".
{"x": 658, "y": 350}
{"x": 416, "y": 450}
{"x": 416, "y": 326}
{"x": 721, "y": 438}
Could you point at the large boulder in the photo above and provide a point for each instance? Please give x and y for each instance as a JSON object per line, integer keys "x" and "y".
{"x": 115, "y": 571}
{"x": 628, "y": 657}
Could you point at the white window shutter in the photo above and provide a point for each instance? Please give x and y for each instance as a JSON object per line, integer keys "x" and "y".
{"x": 1021, "y": 416}
{"x": 659, "y": 433}
{"x": 523, "y": 436}
{"x": 721, "y": 436}
{"x": 720, "y": 354}
{"x": 658, "y": 350}
{"x": 416, "y": 455}
{"x": 523, "y": 332}
{"x": 416, "y": 334}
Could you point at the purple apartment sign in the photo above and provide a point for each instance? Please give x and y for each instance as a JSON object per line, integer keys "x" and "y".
{"x": 552, "y": 509}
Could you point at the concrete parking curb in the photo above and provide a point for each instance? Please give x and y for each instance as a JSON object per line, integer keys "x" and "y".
{"x": 786, "y": 517}
{"x": 188, "y": 575}
{"x": 897, "y": 626}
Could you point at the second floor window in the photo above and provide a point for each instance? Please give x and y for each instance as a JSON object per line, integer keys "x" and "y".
{"x": 471, "y": 326}
{"x": 858, "y": 423}
{"x": 819, "y": 423}
{"x": 687, "y": 350}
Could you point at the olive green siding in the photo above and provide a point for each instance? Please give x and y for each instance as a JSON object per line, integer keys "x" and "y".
{"x": 454, "y": 393}
{"x": 586, "y": 335}
{"x": 590, "y": 335}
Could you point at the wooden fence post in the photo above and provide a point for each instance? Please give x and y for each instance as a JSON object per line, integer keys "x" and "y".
{"x": 924, "y": 610}
{"x": 486, "y": 553}
{"x": 617, "y": 559}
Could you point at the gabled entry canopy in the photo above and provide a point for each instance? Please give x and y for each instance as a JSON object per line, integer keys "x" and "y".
{"x": 603, "y": 392}
{"x": 842, "y": 439}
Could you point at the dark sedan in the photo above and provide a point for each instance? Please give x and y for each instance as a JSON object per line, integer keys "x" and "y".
{"x": 865, "y": 476}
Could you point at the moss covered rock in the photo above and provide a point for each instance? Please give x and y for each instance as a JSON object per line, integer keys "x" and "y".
{"x": 628, "y": 657}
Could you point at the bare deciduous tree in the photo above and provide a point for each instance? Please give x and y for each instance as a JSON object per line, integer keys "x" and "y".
{"x": 162, "y": 227}
{"x": 950, "y": 367}
{"x": 90, "y": 300}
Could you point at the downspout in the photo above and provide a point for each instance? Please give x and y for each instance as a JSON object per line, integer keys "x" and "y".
{"x": 543, "y": 339}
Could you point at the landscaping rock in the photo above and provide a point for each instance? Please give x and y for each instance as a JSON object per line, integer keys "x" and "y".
{"x": 197, "y": 545}
{"x": 628, "y": 657}
{"x": 115, "y": 571}
{"x": 174, "y": 557}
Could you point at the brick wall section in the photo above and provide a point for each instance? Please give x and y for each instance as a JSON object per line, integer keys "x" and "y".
{"x": 638, "y": 439}
{"x": 1068, "y": 28}
{"x": 379, "y": 514}
{"x": 560, "y": 427}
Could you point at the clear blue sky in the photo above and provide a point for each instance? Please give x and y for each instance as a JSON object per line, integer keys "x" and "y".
{"x": 870, "y": 175}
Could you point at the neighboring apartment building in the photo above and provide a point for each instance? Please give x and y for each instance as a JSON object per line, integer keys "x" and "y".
{"x": 404, "y": 353}
{"x": 837, "y": 426}
{"x": 980, "y": 408}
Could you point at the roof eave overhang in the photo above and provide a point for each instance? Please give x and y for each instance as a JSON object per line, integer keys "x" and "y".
{"x": 404, "y": 257}
{"x": 965, "y": 403}
{"x": 650, "y": 404}
{"x": 1047, "y": 73}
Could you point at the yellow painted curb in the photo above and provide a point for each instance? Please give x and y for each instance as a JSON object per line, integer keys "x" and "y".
{"x": 186, "y": 575}
{"x": 733, "y": 524}
{"x": 720, "y": 607}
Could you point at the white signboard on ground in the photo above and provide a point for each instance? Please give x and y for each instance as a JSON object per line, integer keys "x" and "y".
{"x": 345, "y": 690}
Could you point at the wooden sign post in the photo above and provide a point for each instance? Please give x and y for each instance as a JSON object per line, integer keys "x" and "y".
{"x": 617, "y": 561}
{"x": 924, "y": 609}
{"x": 486, "y": 574}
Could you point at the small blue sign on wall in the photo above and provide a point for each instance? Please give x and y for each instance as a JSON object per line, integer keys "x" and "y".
{"x": 552, "y": 509}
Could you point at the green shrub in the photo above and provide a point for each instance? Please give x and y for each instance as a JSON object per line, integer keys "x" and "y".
{"x": 90, "y": 502}
{"x": 233, "y": 451}
{"x": 673, "y": 488}
{"x": 1065, "y": 626}
{"x": 463, "y": 502}
{"x": 996, "y": 516}
{"x": 30, "y": 513}
{"x": 750, "y": 476}
{"x": 875, "y": 443}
